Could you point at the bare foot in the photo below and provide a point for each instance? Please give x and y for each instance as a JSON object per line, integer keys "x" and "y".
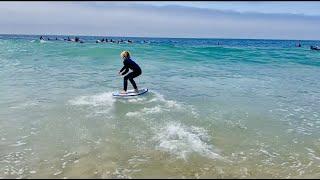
{"x": 123, "y": 92}
{"x": 136, "y": 90}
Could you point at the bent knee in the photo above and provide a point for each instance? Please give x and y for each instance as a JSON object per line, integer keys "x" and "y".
{"x": 126, "y": 78}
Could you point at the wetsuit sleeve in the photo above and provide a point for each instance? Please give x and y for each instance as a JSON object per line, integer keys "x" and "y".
{"x": 124, "y": 67}
{"x": 125, "y": 72}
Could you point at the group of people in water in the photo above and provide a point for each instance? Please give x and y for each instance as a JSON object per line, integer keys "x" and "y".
{"x": 311, "y": 47}
{"x": 77, "y": 39}
{"x": 114, "y": 41}
{"x": 106, "y": 40}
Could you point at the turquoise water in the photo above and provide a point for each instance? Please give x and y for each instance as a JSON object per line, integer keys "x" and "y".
{"x": 243, "y": 109}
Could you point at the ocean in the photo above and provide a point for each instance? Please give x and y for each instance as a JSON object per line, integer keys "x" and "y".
{"x": 216, "y": 108}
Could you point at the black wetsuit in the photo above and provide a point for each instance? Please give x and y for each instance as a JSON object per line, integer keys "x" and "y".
{"x": 136, "y": 71}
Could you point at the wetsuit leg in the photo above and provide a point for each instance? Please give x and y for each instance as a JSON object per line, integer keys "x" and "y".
{"x": 130, "y": 76}
{"x": 125, "y": 83}
{"x": 133, "y": 83}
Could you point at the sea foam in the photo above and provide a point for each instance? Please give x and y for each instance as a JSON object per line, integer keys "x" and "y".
{"x": 104, "y": 99}
{"x": 182, "y": 141}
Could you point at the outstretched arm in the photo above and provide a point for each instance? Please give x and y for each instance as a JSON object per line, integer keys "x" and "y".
{"x": 124, "y": 67}
{"x": 125, "y": 72}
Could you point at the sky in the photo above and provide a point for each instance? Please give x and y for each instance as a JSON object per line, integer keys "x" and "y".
{"x": 190, "y": 19}
{"x": 293, "y": 7}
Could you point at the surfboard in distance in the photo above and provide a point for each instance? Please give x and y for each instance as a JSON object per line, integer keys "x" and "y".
{"x": 131, "y": 93}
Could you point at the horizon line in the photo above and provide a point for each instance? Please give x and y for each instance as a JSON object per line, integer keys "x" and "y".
{"x": 167, "y": 37}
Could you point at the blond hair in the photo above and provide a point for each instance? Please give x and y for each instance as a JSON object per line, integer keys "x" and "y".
{"x": 125, "y": 55}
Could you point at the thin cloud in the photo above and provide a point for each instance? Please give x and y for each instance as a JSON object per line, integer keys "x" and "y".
{"x": 125, "y": 19}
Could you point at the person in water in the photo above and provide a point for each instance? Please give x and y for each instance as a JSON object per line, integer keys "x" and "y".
{"x": 299, "y": 45}
{"x": 41, "y": 38}
{"x": 136, "y": 71}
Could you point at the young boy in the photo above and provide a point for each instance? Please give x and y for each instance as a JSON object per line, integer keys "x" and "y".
{"x": 136, "y": 71}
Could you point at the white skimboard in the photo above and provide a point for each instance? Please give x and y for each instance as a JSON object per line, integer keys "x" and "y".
{"x": 130, "y": 92}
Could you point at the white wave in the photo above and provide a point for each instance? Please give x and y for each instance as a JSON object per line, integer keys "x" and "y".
{"x": 312, "y": 154}
{"x": 168, "y": 103}
{"x": 131, "y": 114}
{"x": 194, "y": 112}
{"x": 162, "y": 105}
{"x": 19, "y": 143}
{"x": 24, "y": 105}
{"x": 153, "y": 110}
{"x": 100, "y": 103}
{"x": 173, "y": 104}
{"x": 159, "y": 98}
{"x": 182, "y": 141}
{"x": 57, "y": 173}
{"x": 136, "y": 100}
{"x": 104, "y": 99}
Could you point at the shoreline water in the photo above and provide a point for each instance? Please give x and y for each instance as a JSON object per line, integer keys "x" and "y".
{"x": 246, "y": 109}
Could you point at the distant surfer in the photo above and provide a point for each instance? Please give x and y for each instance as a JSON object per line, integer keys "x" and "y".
{"x": 41, "y": 38}
{"x": 299, "y": 45}
{"x": 136, "y": 71}
{"x": 314, "y": 48}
